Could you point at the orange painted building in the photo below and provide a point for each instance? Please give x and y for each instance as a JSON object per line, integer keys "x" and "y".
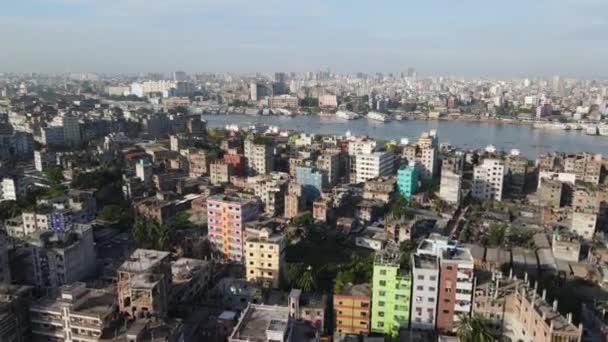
{"x": 352, "y": 309}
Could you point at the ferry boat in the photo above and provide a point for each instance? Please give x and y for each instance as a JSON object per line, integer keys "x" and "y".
{"x": 344, "y": 114}
{"x": 603, "y": 130}
{"x": 591, "y": 129}
{"x": 378, "y": 116}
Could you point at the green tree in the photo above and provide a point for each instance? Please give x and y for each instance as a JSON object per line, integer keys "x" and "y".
{"x": 54, "y": 175}
{"x": 301, "y": 276}
{"x": 182, "y": 220}
{"x": 9, "y": 209}
{"x": 474, "y": 328}
{"x": 151, "y": 234}
{"x": 496, "y": 235}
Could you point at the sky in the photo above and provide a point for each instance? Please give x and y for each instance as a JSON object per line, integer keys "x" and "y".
{"x": 437, "y": 37}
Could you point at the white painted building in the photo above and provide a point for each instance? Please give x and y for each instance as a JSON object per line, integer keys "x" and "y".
{"x": 488, "y": 180}
{"x": 373, "y": 165}
{"x": 425, "y": 280}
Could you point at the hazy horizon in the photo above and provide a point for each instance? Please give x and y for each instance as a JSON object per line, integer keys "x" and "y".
{"x": 472, "y": 38}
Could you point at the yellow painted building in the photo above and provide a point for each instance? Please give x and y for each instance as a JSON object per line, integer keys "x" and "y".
{"x": 264, "y": 257}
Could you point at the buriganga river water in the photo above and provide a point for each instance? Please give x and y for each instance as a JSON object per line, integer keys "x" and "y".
{"x": 504, "y": 136}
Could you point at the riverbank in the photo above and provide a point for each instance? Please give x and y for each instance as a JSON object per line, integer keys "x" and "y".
{"x": 464, "y": 134}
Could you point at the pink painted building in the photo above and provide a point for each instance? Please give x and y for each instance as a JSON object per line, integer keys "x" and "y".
{"x": 226, "y": 218}
{"x": 328, "y": 101}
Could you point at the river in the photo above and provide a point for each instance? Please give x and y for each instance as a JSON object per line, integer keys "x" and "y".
{"x": 504, "y": 136}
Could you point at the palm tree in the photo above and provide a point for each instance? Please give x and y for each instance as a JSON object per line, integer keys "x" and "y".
{"x": 474, "y": 328}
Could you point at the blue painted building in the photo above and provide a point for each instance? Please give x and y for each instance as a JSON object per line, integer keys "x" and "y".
{"x": 312, "y": 180}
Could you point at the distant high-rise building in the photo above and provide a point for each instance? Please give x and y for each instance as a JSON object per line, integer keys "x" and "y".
{"x": 411, "y": 72}
{"x": 280, "y": 77}
{"x": 180, "y": 76}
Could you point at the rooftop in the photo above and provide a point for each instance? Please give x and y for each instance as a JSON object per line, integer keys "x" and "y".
{"x": 143, "y": 260}
{"x": 425, "y": 261}
{"x": 358, "y": 290}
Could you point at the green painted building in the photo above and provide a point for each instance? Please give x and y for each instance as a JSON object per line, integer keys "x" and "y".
{"x": 391, "y": 294}
{"x": 407, "y": 181}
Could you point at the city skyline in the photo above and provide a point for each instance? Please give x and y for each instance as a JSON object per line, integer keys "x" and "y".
{"x": 519, "y": 38}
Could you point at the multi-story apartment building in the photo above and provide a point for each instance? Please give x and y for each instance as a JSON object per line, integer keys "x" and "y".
{"x": 190, "y": 278}
{"x": 220, "y": 172}
{"x": 15, "y": 301}
{"x": 283, "y": 101}
{"x": 391, "y": 293}
{"x": 77, "y": 314}
{"x": 521, "y": 314}
{"x": 586, "y": 166}
{"x": 515, "y": 174}
{"x": 455, "y": 287}
{"x": 425, "y": 282}
{"x": 199, "y": 163}
{"x": 312, "y": 180}
{"x": 265, "y": 257}
{"x": 584, "y": 224}
{"x": 407, "y": 180}
{"x": 53, "y": 259}
{"x": 330, "y": 163}
{"x": 450, "y": 187}
{"x": 352, "y": 309}
{"x": 271, "y": 189}
{"x": 259, "y": 156}
{"x": 549, "y": 193}
{"x": 488, "y": 180}
{"x": 226, "y": 218}
{"x": 293, "y": 205}
{"x": 143, "y": 284}
{"x": 424, "y": 152}
{"x": 373, "y": 165}
{"x": 5, "y": 269}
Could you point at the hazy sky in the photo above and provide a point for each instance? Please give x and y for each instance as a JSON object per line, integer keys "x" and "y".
{"x": 459, "y": 37}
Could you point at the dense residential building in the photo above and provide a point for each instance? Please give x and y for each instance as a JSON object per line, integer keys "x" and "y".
{"x": 456, "y": 278}
{"x": 260, "y": 322}
{"x": 220, "y": 172}
{"x": 265, "y": 257}
{"x": 450, "y": 185}
{"x": 283, "y": 101}
{"x": 76, "y": 314}
{"x": 143, "y": 284}
{"x": 516, "y": 168}
{"x": 259, "y": 157}
{"x": 391, "y": 293}
{"x": 52, "y": 259}
{"x": 226, "y": 218}
{"x": 271, "y": 190}
{"x": 312, "y": 180}
{"x": 521, "y": 314}
{"x": 584, "y": 224}
{"x": 425, "y": 153}
{"x": 352, "y": 309}
{"x": 488, "y": 180}
{"x": 15, "y": 301}
{"x": 330, "y": 163}
{"x": 425, "y": 285}
{"x": 373, "y": 165}
{"x": 585, "y": 166}
{"x": 549, "y": 193}
{"x": 407, "y": 180}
